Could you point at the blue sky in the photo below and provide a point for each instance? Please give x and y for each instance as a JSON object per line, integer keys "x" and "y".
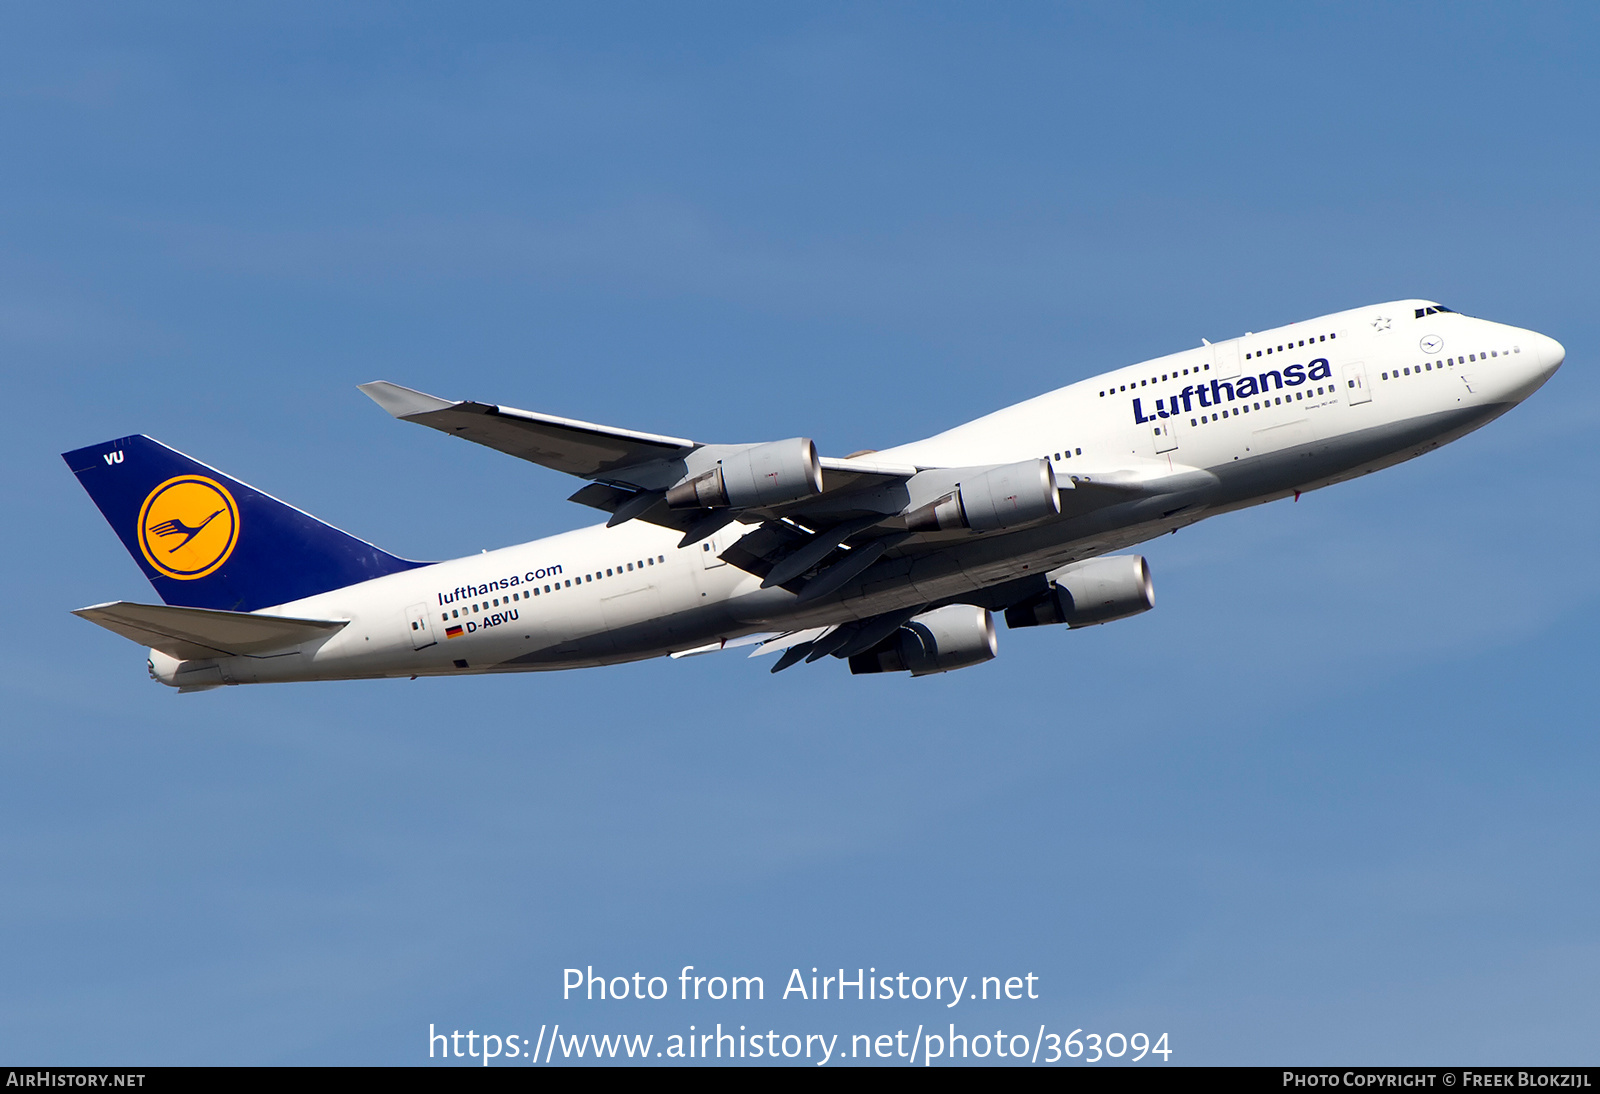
{"x": 1331, "y": 801}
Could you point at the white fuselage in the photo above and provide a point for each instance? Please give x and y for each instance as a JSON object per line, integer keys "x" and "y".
{"x": 1210, "y": 429}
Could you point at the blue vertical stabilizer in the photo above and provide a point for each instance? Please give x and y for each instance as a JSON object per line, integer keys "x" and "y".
{"x": 206, "y": 540}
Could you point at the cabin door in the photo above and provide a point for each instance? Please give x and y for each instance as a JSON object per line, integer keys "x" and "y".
{"x": 1355, "y": 383}
{"x": 1225, "y": 359}
{"x": 711, "y": 549}
{"x": 1166, "y": 437}
{"x": 418, "y": 624}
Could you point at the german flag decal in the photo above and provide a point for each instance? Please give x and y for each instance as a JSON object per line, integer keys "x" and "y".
{"x": 452, "y": 632}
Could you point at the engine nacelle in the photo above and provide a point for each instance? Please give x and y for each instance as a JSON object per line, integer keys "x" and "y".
{"x": 1001, "y": 497}
{"x": 951, "y": 637}
{"x": 763, "y": 474}
{"x": 1086, "y": 593}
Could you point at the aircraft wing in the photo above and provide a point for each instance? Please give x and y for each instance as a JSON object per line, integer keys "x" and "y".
{"x": 191, "y": 633}
{"x": 564, "y": 444}
{"x": 630, "y": 470}
{"x": 832, "y": 517}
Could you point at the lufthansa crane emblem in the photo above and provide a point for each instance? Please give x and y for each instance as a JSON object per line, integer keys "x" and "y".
{"x": 188, "y": 527}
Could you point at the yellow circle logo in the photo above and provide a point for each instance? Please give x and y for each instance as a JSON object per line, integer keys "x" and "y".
{"x": 188, "y": 527}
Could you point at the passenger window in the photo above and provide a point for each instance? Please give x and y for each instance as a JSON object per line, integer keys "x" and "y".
{"x": 1080, "y": 451}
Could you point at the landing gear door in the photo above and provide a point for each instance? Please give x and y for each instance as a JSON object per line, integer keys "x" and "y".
{"x": 1355, "y": 383}
{"x": 417, "y": 622}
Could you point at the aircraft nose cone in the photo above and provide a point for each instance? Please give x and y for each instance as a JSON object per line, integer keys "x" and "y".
{"x": 1551, "y": 353}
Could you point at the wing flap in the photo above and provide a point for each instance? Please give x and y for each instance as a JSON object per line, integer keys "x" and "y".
{"x": 193, "y": 633}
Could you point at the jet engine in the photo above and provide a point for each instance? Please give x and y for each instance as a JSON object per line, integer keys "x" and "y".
{"x": 1085, "y": 593}
{"x": 763, "y": 474}
{"x": 1001, "y": 497}
{"x": 951, "y": 637}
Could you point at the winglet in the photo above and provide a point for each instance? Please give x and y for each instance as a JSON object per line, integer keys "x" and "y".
{"x": 402, "y": 402}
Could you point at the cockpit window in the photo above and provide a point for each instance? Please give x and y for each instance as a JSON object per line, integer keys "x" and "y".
{"x": 1433, "y": 310}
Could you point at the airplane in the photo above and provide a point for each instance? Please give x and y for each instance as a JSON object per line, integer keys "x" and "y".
{"x": 892, "y": 561}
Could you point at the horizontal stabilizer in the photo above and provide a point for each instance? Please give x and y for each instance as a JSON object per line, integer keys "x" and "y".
{"x": 192, "y": 633}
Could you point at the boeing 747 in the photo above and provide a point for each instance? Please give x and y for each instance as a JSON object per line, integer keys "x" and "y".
{"x": 892, "y": 561}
